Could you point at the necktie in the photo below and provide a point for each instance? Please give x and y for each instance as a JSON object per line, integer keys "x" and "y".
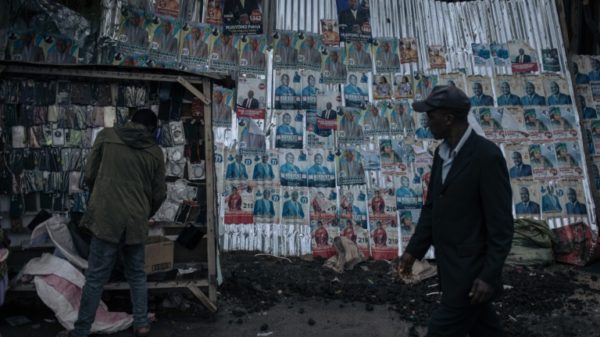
{"x": 248, "y": 103}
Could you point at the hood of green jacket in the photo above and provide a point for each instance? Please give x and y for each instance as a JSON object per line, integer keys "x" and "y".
{"x": 135, "y": 135}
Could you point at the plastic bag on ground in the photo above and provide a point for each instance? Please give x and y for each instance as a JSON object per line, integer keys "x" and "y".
{"x": 348, "y": 255}
{"x": 421, "y": 270}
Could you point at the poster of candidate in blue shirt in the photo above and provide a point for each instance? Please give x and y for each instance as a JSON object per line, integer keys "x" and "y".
{"x": 294, "y": 209}
{"x": 289, "y": 133}
{"x": 292, "y": 167}
{"x": 356, "y": 89}
{"x": 288, "y": 86}
{"x": 321, "y": 170}
{"x": 481, "y": 53}
{"x": 265, "y": 168}
{"x": 267, "y": 203}
{"x": 499, "y": 53}
{"x": 557, "y": 90}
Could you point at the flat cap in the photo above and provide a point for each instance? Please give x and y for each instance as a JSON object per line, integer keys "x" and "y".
{"x": 444, "y": 97}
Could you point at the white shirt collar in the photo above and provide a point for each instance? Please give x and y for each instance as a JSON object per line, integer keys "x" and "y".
{"x": 446, "y": 152}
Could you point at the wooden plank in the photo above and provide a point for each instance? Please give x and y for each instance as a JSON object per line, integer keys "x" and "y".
{"x": 193, "y": 89}
{"x": 125, "y": 285}
{"x": 202, "y": 298}
{"x": 211, "y": 195}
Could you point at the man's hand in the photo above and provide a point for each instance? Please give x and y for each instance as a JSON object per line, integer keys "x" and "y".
{"x": 481, "y": 292}
{"x": 406, "y": 263}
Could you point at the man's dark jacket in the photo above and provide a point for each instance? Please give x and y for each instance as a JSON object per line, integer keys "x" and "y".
{"x": 468, "y": 219}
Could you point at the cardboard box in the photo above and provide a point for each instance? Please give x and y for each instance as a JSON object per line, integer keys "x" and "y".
{"x": 159, "y": 254}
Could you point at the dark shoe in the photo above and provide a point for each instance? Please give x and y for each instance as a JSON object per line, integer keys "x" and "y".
{"x": 141, "y": 332}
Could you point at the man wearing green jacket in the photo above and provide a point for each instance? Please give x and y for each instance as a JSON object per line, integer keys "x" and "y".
{"x": 125, "y": 173}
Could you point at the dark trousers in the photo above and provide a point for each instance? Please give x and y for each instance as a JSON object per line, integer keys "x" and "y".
{"x": 472, "y": 321}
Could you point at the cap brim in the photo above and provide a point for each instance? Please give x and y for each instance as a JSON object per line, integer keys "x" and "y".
{"x": 422, "y": 106}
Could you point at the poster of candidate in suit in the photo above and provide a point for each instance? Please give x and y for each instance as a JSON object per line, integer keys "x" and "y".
{"x": 550, "y": 60}
{"x": 195, "y": 46}
{"x": 500, "y": 54}
{"x": 356, "y": 89}
{"x": 293, "y": 165}
{"x": 251, "y": 95}
{"x": 553, "y": 194}
{"x": 581, "y": 69}
{"x": 309, "y": 51}
{"x": 224, "y": 55}
{"x": 311, "y": 89}
{"x": 289, "y": 132}
{"x": 408, "y": 193}
{"x": 408, "y": 50}
{"x": 238, "y": 200}
{"x": 403, "y": 86}
{"x": 479, "y": 90}
{"x": 481, "y": 53}
{"x": 589, "y": 109}
{"x": 243, "y": 16}
{"x": 523, "y": 58}
{"x": 543, "y": 160}
{"x": 165, "y": 33}
{"x": 330, "y": 34}
{"x": 252, "y": 50}
{"x": 513, "y": 125}
{"x": 422, "y": 130}
{"x": 518, "y": 161}
{"x": 288, "y": 85}
{"x": 454, "y": 79}
{"x": 350, "y": 167}
{"x": 322, "y": 121}
{"x": 349, "y": 126}
{"x": 267, "y": 203}
{"x": 385, "y": 52}
{"x": 333, "y": 65}
{"x": 213, "y": 13}
{"x": 409, "y": 218}
{"x": 359, "y": 56}
{"x": 436, "y": 57}
{"x": 133, "y": 29}
{"x": 353, "y": 17}
{"x": 402, "y": 118}
{"x": 321, "y": 169}
{"x": 251, "y": 136}
{"x": 526, "y": 198}
{"x": 424, "y": 85}
{"x": 575, "y": 204}
{"x": 237, "y": 167}
{"x": 557, "y": 90}
{"x": 509, "y": 90}
{"x": 568, "y": 158}
{"x": 382, "y": 86}
{"x": 264, "y": 169}
{"x": 533, "y": 91}
{"x": 285, "y": 52}
{"x": 294, "y": 209}
{"x": 375, "y": 120}
{"x": 222, "y": 107}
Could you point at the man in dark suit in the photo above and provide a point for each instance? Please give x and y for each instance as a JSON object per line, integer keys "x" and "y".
{"x": 329, "y": 113}
{"x": 237, "y": 12}
{"x": 522, "y": 57}
{"x": 352, "y": 18}
{"x": 467, "y": 216}
{"x": 250, "y": 102}
{"x": 519, "y": 170}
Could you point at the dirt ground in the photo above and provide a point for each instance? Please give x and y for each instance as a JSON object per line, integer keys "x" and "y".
{"x": 267, "y": 296}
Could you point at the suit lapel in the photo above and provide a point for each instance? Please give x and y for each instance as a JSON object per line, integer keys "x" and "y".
{"x": 463, "y": 159}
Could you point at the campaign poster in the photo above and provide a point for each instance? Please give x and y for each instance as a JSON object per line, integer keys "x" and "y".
{"x": 293, "y": 165}
{"x": 350, "y": 167}
{"x": 267, "y": 205}
{"x": 500, "y": 54}
{"x": 552, "y": 196}
{"x": 595, "y": 86}
{"x": 526, "y": 198}
{"x": 353, "y": 18}
{"x": 289, "y": 132}
{"x": 523, "y": 58}
{"x": 408, "y": 50}
{"x": 359, "y": 56}
{"x": 243, "y": 16}
{"x": 557, "y": 90}
{"x": 513, "y": 125}
{"x": 309, "y": 51}
{"x": 403, "y": 86}
{"x": 402, "y": 119}
{"x": 323, "y": 221}
{"x": 581, "y": 69}
{"x": 375, "y": 120}
{"x": 312, "y": 87}
{"x": 382, "y": 86}
{"x": 239, "y": 204}
{"x": 518, "y": 161}
{"x": 509, "y": 90}
{"x": 490, "y": 120}
{"x": 251, "y": 136}
{"x": 330, "y": 32}
{"x": 424, "y": 85}
{"x": 295, "y": 205}
{"x": 421, "y": 173}
{"x": 595, "y": 133}
{"x": 253, "y": 57}
{"x": 408, "y": 193}
{"x": 321, "y": 168}
{"x": 550, "y": 60}
{"x": 575, "y": 204}
{"x": 320, "y": 136}
{"x": 543, "y": 160}
{"x": 26, "y": 46}
{"x": 383, "y": 222}
{"x": 285, "y": 52}
{"x": 385, "y": 52}
{"x": 61, "y": 50}
{"x": 568, "y": 158}
{"x": 288, "y": 84}
{"x": 356, "y": 89}
{"x": 251, "y": 95}
{"x": 333, "y": 65}
{"x": 352, "y": 216}
{"x": 349, "y": 128}
{"x": 422, "y": 130}
{"x": 588, "y": 137}
{"x": 436, "y": 56}
{"x": 409, "y": 218}
{"x": 371, "y": 159}
{"x": 264, "y": 168}
{"x": 453, "y": 79}
{"x": 533, "y": 91}
{"x": 537, "y": 123}
{"x": 562, "y": 123}
{"x": 214, "y": 12}
{"x": 481, "y": 53}
{"x": 128, "y": 58}
{"x": 195, "y": 46}
{"x": 589, "y": 109}
{"x": 165, "y": 35}
{"x": 237, "y": 167}
{"x": 222, "y": 107}
{"x": 479, "y": 90}
{"x": 133, "y": 33}
{"x": 328, "y": 107}
{"x": 224, "y": 55}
